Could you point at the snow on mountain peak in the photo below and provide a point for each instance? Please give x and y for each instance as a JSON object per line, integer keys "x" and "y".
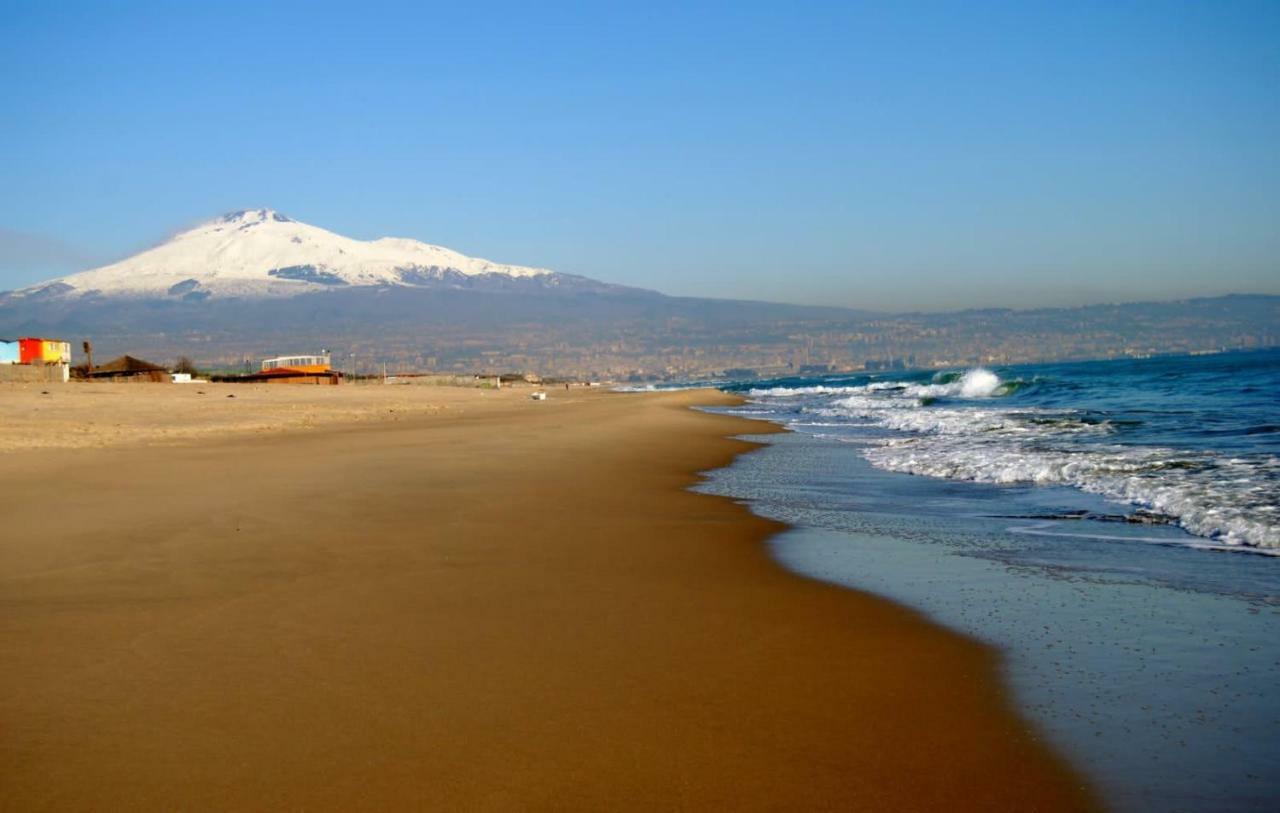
{"x": 260, "y": 252}
{"x": 253, "y": 216}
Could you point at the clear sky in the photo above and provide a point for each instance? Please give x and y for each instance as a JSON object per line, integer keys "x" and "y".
{"x": 896, "y": 155}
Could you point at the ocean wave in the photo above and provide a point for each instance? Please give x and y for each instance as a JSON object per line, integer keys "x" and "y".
{"x": 971, "y": 384}
{"x": 977, "y": 383}
{"x": 1228, "y": 500}
{"x": 1022, "y": 423}
{"x": 984, "y": 432}
{"x": 662, "y": 387}
{"x": 1051, "y": 529}
{"x": 789, "y": 392}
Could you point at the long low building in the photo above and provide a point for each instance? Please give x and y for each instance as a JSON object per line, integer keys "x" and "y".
{"x": 314, "y": 363}
{"x": 304, "y": 369}
{"x": 284, "y": 377}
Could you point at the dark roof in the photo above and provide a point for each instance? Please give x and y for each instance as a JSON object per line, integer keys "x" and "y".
{"x": 127, "y": 364}
{"x": 278, "y": 372}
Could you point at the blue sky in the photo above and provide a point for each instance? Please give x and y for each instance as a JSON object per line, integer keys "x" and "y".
{"x": 897, "y": 155}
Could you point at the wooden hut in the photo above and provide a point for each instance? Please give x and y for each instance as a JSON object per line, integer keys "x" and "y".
{"x": 130, "y": 369}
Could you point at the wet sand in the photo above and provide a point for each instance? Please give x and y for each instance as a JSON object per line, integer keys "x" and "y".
{"x": 502, "y": 604}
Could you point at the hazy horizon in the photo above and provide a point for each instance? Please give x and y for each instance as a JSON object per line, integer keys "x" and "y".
{"x": 916, "y": 158}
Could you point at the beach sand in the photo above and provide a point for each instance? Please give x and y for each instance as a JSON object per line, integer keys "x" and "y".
{"x": 92, "y": 415}
{"x": 492, "y": 603}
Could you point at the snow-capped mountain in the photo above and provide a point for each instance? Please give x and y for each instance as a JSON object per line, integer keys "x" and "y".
{"x": 260, "y": 252}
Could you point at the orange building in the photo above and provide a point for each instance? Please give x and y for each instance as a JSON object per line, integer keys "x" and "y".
{"x": 318, "y": 363}
{"x": 43, "y": 351}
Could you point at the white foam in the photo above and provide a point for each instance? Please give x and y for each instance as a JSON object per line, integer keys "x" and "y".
{"x": 979, "y": 384}
{"x": 660, "y": 387}
{"x": 1230, "y": 501}
{"x": 1223, "y": 500}
{"x": 975, "y": 383}
{"x": 788, "y": 392}
{"x": 1052, "y": 529}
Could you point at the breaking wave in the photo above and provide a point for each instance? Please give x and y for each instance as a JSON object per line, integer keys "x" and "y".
{"x": 974, "y": 426}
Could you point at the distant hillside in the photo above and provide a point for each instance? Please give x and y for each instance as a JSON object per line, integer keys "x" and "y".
{"x": 256, "y": 283}
{"x": 642, "y": 334}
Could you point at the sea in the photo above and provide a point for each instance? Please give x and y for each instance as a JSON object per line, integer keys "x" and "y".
{"x": 1111, "y": 527}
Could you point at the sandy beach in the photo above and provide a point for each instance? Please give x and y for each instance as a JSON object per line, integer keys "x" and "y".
{"x": 95, "y": 415}
{"x": 451, "y": 599}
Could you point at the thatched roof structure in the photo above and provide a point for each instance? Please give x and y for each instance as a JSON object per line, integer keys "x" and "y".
{"x": 128, "y": 364}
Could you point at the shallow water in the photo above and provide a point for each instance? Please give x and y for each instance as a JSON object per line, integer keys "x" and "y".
{"x": 1152, "y": 664}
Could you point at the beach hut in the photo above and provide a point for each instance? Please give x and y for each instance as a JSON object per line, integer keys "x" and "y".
{"x": 32, "y": 350}
{"x": 35, "y": 360}
{"x": 128, "y": 369}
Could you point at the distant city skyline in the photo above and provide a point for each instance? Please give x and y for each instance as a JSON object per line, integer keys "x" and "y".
{"x": 926, "y": 156}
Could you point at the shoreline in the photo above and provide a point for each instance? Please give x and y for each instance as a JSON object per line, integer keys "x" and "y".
{"x": 1108, "y": 698}
{"x": 503, "y": 605}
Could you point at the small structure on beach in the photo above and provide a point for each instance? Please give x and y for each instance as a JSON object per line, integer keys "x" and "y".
{"x": 43, "y": 351}
{"x": 305, "y": 369}
{"x": 128, "y": 369}
{"x": 36, "y": 360}
{"x": 283, "y": 377}
{"x": 315, "y": 363}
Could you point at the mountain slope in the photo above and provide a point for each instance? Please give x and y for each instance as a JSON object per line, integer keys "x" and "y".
{"x": 256, "y": 279}
{"x": 260, "y": 252}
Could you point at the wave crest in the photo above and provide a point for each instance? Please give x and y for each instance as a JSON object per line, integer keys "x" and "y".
{"x": 956, "y": 426}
